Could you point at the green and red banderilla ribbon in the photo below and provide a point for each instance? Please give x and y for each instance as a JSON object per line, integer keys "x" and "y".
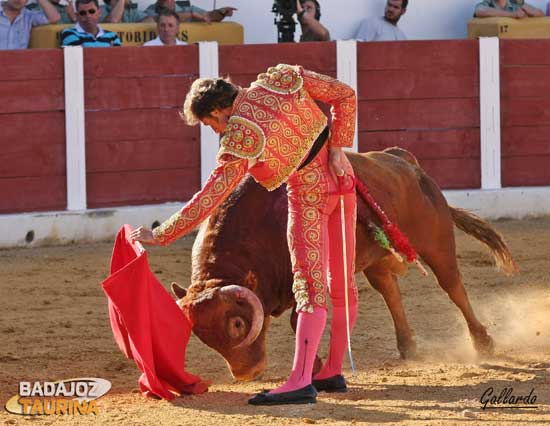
{"x": 391, "y": 234}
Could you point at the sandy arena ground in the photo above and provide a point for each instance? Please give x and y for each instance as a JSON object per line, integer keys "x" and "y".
{"x": 54, "y": 325}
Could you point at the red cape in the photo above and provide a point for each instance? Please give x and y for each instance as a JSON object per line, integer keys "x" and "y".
{"x": 147, "y": 324}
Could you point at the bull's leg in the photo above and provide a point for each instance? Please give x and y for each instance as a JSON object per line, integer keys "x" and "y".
{"x": 445, "y": 268}
{"x": 385, "y": 282}
{"x": 293, "y": 323}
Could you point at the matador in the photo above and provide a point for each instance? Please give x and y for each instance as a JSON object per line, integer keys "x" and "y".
{"x": 275, "y": 131}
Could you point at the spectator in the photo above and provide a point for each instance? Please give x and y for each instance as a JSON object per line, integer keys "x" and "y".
{"x": 87, "y": 32}
{"x": 187, "y": 12}
{"x": 16, "y": 22}
{"x": 309, "y": 13}
{"x": 384, "y": 28}
{"x": 115, "y": 11}
{"x": 65, "y": 8}
{"x": 506, "y": 8}
{"x": 168, "y": 25}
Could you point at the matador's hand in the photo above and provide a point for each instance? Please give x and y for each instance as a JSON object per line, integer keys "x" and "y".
{"x": 144, "y": 235}
{"x": 337, "y": 162}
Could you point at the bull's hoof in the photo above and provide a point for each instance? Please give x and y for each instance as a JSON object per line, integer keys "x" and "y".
{"x": 317, "y": 365}
{"x": 407, "y": 349}
{"x": 484, "y": 344}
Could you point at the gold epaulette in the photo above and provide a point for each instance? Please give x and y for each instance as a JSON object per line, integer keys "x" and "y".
{"x": 242, "y": 138}
{"x": 283, "y": 79}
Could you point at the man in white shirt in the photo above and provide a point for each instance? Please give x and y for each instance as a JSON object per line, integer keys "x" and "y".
{"x": 168, "y": 25}
{"x": 384, "y": 28}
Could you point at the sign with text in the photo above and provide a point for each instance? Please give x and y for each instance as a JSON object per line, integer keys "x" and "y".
{"x": 63, "y": 397}
{"x": 48, "y": 36}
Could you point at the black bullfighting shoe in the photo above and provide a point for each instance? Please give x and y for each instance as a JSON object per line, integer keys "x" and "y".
{"x": 305, "y": 395}
{"x": 331, "y": 384}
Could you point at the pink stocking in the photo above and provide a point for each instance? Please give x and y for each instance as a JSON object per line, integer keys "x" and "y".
{"x": 338, "y": 341}
{"x": 308, "y": 334}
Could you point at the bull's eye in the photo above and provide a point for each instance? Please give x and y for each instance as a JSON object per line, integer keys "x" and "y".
{"x": 236, "y": 327}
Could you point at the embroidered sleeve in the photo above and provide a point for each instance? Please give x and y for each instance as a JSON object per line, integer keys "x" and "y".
{"x": 219, "y": 185}
{"x": 343, "y": 104}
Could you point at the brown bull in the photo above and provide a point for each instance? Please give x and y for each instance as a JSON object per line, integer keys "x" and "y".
{"x": 241, "y": 265}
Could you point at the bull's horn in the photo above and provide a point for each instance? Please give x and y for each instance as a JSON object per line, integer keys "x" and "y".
{"x": 257, "y": 309}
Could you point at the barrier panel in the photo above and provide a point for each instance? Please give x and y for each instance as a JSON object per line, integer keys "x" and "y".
{"x": 509, "y": 27}
{"x": 138, "y": 149}
{"x": 423, "y": 97}
{"x": 48, "y": 36}
{"x": 525, "y": 112}
{"x": 32, "y": 119}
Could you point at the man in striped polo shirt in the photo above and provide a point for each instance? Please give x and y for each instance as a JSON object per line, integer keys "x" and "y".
{"x": 88, "y": 32}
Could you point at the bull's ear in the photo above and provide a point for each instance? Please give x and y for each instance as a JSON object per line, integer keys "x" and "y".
{"x": 178, "y": 290}
{"x": 250, "y": 281}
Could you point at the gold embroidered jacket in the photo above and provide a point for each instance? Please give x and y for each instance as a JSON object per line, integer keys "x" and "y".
{"x": 275, "y": 122}
{"x": 272, "y": 127}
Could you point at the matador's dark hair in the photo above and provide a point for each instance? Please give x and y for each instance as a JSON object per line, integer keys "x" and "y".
{"x": 206, "y": 95}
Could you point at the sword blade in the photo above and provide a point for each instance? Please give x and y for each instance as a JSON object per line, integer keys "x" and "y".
{"x": 346, "y": 296}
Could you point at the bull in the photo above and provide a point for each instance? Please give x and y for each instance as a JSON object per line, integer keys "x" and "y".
{"x": 241, "y": 270}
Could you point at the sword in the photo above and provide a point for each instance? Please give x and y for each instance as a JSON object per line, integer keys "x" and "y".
{"x": 341, "y": 181}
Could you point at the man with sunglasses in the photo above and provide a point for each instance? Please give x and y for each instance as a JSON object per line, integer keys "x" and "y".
{"x": 88, "y": 32}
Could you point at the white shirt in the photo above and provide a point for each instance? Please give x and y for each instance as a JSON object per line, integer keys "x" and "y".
{"x": 158, "y": 42}
{"x": 378, "y": 29}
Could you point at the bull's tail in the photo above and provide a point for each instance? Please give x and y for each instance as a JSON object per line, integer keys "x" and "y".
{"x": 483, "y": 232}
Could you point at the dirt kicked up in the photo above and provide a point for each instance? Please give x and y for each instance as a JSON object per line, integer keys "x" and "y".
{"x": 54, "y": 325}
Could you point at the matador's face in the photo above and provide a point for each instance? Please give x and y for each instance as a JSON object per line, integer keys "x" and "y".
{"x": 217, "y": 119}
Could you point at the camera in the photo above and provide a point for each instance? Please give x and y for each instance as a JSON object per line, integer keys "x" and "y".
{"x": 284, "y": 9}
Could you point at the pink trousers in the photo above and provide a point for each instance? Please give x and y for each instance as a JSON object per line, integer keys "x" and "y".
{"x": 315, "y": 236}
{"x": 315, "y": 241}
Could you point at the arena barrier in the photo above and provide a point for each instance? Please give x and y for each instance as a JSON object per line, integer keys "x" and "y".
{"x": 48, "y": 36}
{"x": 92, "y": 138}
{"x": 509, "y": 28}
